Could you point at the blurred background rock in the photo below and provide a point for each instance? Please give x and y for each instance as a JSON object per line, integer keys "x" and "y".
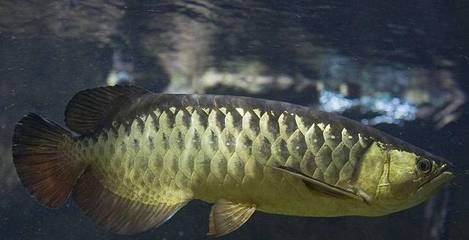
{"x": 401, "y": 66}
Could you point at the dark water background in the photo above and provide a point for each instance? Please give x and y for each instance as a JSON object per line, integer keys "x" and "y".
{"x": 287, "y": 50}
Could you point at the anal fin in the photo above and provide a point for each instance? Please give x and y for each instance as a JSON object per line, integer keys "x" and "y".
{"x": 226, "y": 216}
{"x": 119, "y": 214}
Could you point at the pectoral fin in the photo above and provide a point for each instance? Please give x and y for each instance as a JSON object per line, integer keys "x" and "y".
{"x": 226, "y": 216}
{"x": 326, "y": 188}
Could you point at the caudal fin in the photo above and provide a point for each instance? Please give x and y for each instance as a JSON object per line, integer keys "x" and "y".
{"x": 42, "y": 160}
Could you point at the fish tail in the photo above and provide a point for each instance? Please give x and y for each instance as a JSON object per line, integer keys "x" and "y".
{"x": 41, "y": 154}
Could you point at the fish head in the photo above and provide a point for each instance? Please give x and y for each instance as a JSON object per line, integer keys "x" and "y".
{"x": 410, "y": 178}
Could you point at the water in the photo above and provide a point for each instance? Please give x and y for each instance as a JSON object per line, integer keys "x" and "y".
{"x": 401, "y": 66}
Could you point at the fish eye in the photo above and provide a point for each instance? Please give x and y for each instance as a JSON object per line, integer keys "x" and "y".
{"x": 424, "y": 165}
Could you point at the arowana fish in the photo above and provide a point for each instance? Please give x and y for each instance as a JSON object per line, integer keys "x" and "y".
{"x": 133, "y": 158}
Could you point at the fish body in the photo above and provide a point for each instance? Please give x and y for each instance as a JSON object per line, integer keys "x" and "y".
{"x": 171, "y": 152}
{"x": 141, "y": 156}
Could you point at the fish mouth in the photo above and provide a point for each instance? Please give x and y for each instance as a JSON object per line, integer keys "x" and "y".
{"x": 440, "y": 177}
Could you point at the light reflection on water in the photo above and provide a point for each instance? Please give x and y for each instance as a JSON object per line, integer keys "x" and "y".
{"x": 390, "y": 110}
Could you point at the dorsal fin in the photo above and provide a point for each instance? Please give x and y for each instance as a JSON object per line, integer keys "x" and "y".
{"x": 88, "y": 108}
